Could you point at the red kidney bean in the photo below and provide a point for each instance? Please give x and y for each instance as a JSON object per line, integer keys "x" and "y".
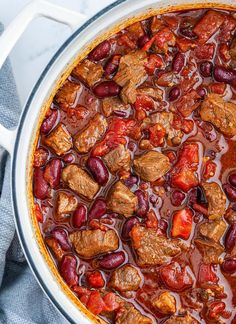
{"x": 79, "y": 216}
{"x": 69, "y": 158}
{"x": 128, "y": 224}
{"x": 143, "y": 40}
{"x": 49, "y": 122}
{"x": 112, "y": 261}
{"x": 174, "y": 93}
{"x": 98, "y": 209}
{"x": 222, "y": 74}
{"x": 143, "y": 203}
{"x": 120, "y": 113}
{"x": 112, "y": 65}
{"x": 41, "y": 187}
{"x": 68, "y": 270}
{"x": 61, "y": 236}
{"x": 177, "y": 197}
{"x": 201, "y": 92}
{"x": 178, "y": 62}
{"x": 186, "y": 30}
{"x": 232, "y": 179}
{"x": 100, "y": 52}
{"x": 230, "y": 192}
{"x": 206, "y": 69}
{"x": 229, "y": 266}
{"x": 163, "y": 225}
{"x": 131, "y": 181}
{"x": 98, "y": 170}
{"x": 230, "y": 237}
{"x": 106, "y": 89}
{"x": 52, "y": 172}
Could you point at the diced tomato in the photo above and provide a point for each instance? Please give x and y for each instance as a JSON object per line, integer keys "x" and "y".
{"x": 119, "y": 128}
{"x": 162, "y": 39}
{"x": 182, "y": 223}
{"x": 188, "y": 154}
{"x": 154, "y": 62}
{"x": 157, "y": 133}
{"x": 209, "y": 170}
{"x": 175, "y": 277}
{"x": 95, "y": 303}
{"x": 144, "y": 102}
{"x": 171, "y": 21}
{"x": 184, "y": 179}
{"x": 206, "y": 274}
{"x": 124, "y": 40}
{"x": 151, "y": 221}
{"x": 205, "y": 52}
{"x": 226, "y": 30}
{"x": 215, "y": 309}
{"x": 188, "y": 103}
{"x": 38, "y": 213}
{"x": 80, "y": 291}
{"x": 218, "y": 88}
{"x": 185, "y": 44}
{"x": 110, "y": 302}
{"x": 136, "y": 30}
{"x": 200, "y": 208}
{"x": 171, "y": 156}
{"x": 96, "y": 224}
{"x": 79, "y": 112}
{"x": 95, "y": 279}
{"x": 224, "y": 52}
{"x": 140, "y": 114}
{"x": 135, "y": 234}
{"x": 187, "y": 126}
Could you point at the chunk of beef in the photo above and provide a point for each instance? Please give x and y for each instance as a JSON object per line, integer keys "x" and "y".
{"x": 136, "y": 30}
{"x": 121, "y": 200}
{"x": 210, "y": 250}
{"x": 130, "y": 315}
{"x": 89, "y": 243}
{"x": 59, "y": 140}
{"x": 118, "y": 159}
{"x": 187, "y": 319}
{"x": 216, "y": 200}
{"x": 165, "y": 303}
{"x": 66, "y": 95}
{"x": 151, "y": 165}
{"x": 66, "y": 204}
{"x": 131, "y": 73}
{"x": 111, "y": 104}
{"x": 151, "y": 248}
{"x": 213, "y": 230}
{"x": 88, "y": 72}
{"x": 165, "y": 119}
{"x": 86, "y": 139}
{"x": 79, "y": 181}
{"x": 208, "y": 25}
{"x": 55, "y": 248}
{"x": 221, "y": 113}
{"x": 126, "y": 278}
{"x": 155, "y": 93}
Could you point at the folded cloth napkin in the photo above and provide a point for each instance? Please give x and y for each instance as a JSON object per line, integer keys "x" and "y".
{"x": 21, "y": 298}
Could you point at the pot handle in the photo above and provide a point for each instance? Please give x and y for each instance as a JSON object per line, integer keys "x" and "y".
{"x": 8, "y": 39}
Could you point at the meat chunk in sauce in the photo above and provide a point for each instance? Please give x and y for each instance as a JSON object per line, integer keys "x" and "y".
{"x": 210, "y": 250}
{"x": 126, "y": 278}
{"x": 216, "y": 200}
{"x": 86, "y": 139}
{"x": 88, "y": 72}
{"x": 131, "y": 73}
{"x": 221, "y": 113}
{"x": 155, "y": 93}
{"x": 213, "y": 230}
{"x": 130, "y": 315}
{"x": 151, "y": 166}
{"x": 208, "y": 25}
{"x": 90, "y": 243}
{"x": 165, "y": 303}
{"x": 111, "y": 104}
{"x": 55, "y": 248}
{"x": 79, "y": 181}
{"x": 187, "y": 319}
{"x": 151, "y": 248}
{"x": 66, "y": 95}
{"x": 118, "y": 159}
{"x": 66, "y": 204}
{"x": 121, "y": 200}
{"x": 165, "y": 119}
{"x": 59, "y": 140}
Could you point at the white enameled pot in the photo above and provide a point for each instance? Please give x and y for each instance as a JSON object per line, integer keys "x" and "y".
{"x": 20, "y": 142}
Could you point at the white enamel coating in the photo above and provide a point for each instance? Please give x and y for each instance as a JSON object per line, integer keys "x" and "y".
{"x": 35, "y": 9}
{"x": 110, "y": 17}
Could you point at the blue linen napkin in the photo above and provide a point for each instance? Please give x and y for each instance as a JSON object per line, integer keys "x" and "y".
{"x": 22, "y": 301}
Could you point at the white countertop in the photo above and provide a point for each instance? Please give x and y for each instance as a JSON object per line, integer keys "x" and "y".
{"x": 41, "y": 39}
